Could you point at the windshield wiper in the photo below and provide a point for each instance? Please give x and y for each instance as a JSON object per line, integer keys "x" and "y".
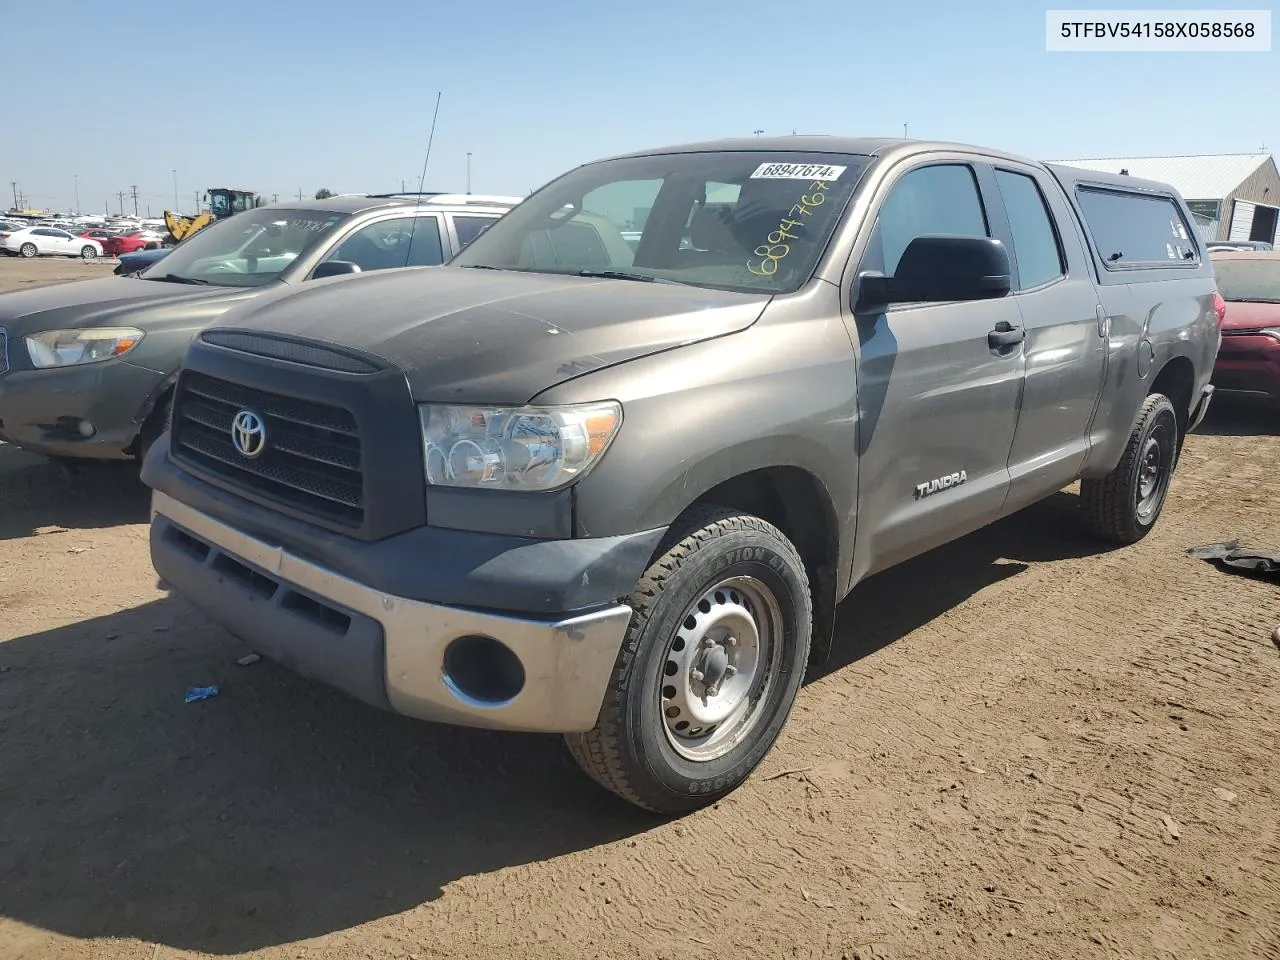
{"x": 624, "y": 275}
{"x": 175, "y": 278}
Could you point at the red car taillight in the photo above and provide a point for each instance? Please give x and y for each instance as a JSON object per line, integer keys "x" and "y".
{"x": 1219, "y": 307}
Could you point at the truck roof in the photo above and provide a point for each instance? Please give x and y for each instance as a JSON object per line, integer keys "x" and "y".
{"x": 821, "y": 143}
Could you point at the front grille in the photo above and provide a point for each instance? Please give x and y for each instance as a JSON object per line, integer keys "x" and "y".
{"x": 312, "y": 457}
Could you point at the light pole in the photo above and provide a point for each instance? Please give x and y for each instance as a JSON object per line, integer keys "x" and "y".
{"x": 175, "y": 192}
{"x": 758, "y": 132}
{"x": 468, "y": 171}
{"x": 77, "y": 179}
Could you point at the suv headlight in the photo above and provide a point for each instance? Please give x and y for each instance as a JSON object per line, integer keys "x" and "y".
{"x": 66, "y": 348}
{"x": 515, "y": 448}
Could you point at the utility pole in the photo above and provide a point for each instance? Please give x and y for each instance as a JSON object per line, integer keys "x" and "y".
{"x": 758, "y": 132}
{"x": 77, "y": 177}
{"x": 134, "y": 188}
{"x": 175, "y": 191}
{"x": 275, "y": 198}
{"x": 299, "y": 194}
{"x": 120, "y": 197}
{"x": 14, "y": 184}
{"x": 468, "y": 172}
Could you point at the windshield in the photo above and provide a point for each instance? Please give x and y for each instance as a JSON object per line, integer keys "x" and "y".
{"x": 750, "y": 221}
{"x": 1249, "y": 279}
{"x": 248, "y": 250}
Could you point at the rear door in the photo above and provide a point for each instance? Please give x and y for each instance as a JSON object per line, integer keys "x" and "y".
{"x": 1066, "y": 330}
{"x": 938, "y": 403}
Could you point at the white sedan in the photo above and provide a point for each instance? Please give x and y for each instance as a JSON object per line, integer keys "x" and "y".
{"x": 50, "y": 242}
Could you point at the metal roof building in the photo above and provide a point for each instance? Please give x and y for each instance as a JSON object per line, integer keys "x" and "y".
{"x": 1234, "y": 196}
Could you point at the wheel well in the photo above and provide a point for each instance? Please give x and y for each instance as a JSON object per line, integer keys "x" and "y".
{"x": 1176, "y": 381}
{"x": 795, "y": 502}
{"x": 159, "y": 408}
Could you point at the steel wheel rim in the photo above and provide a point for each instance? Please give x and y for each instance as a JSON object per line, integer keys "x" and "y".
{"x": 1153, "y": 472}
{"x": 719, "y": 668}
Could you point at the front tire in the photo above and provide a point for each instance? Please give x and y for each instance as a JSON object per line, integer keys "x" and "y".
{"x": 88, "y": 253}
{"x": 1124, "y": 505}
{"x": 28, "y": 250}
{"x": 709, "y": 669}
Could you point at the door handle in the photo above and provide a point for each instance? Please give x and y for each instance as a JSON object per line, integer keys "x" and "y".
{"x": 1005, "y": 335}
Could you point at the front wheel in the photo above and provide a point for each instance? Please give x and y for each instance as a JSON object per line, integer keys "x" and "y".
{"x": 88, "y": 253}
{"x": 709, "y": 668}
{"x": 1124, "y": 505}
{"x": 28, "y": 250}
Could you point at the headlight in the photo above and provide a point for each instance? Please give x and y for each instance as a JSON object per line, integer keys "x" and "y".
{"x": 515, "y": 448}
{"x": 66, "y": 348}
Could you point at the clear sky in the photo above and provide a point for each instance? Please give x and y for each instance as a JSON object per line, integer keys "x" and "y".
{"x": 284, "y": 96}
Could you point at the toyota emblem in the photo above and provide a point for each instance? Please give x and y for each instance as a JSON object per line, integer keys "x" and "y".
{"x": 248, "y": 434}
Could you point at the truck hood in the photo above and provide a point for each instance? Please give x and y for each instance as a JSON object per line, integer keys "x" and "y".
{"x": 112, "y": 301}
{"x": 495, "y": 336}
{"x": 1247, "y": 315}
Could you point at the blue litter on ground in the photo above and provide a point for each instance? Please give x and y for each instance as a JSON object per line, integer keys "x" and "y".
{"x": 201, "y": 693}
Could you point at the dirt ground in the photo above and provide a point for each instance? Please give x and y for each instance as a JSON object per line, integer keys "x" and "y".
{"x": 1027, "y": 746}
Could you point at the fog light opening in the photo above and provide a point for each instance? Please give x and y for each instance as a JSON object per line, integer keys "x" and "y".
{"x": 482, "y": 670}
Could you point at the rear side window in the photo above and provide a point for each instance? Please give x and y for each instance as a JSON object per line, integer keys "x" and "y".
{"x": 1136, "y": 229}
{"x": 1035, "y": 242}
{"x": 468, "y": 228}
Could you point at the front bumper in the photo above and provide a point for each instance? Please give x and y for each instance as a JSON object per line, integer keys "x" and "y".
{"x": 40, "y": 410}
{"x": 385, "y": 649}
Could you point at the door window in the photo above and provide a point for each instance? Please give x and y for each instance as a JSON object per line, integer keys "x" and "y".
{"x": 1035, "y": 242}
{"x": 941, "y": 199}
{"x": 385, "y": 244}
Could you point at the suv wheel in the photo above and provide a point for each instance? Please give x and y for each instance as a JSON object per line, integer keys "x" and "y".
{"x": 1123, "y": 506}
{"x": 709, "y": 668}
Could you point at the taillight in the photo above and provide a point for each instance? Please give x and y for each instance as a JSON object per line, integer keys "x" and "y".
{"x": 1219, "y": 307}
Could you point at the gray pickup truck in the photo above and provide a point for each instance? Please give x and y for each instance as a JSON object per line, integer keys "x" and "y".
{"x": 614, "y": 488}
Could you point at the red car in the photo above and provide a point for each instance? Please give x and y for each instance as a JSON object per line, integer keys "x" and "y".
{"x": 128, "y": 242}
{"x": 1249, "y": 359}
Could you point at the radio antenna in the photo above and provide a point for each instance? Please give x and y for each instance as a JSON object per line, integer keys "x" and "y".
{"x": 423, "y": 179}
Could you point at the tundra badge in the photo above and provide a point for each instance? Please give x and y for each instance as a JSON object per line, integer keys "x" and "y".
{"x": 942, "y": 483}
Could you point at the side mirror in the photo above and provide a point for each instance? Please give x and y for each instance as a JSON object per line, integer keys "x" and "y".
{"x": 334, "y": 268}
{"x": 939, "y": 269}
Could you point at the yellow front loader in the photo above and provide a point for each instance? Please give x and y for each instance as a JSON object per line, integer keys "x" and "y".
{"x": 223, "y": 203}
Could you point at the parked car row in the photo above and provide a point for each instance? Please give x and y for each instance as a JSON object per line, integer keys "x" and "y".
{"x": 602, "y": 462}
{"x": 49, "y": 242}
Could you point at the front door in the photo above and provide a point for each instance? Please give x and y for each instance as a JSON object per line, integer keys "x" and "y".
{"x": 938, "y": 402}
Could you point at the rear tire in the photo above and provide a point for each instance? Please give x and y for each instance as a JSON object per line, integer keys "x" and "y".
{"x": 28, "y": 250}
{"x": 709, "y": 668}
{"x": 1124, "y": 505}
{"x": 88, "y": 253}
